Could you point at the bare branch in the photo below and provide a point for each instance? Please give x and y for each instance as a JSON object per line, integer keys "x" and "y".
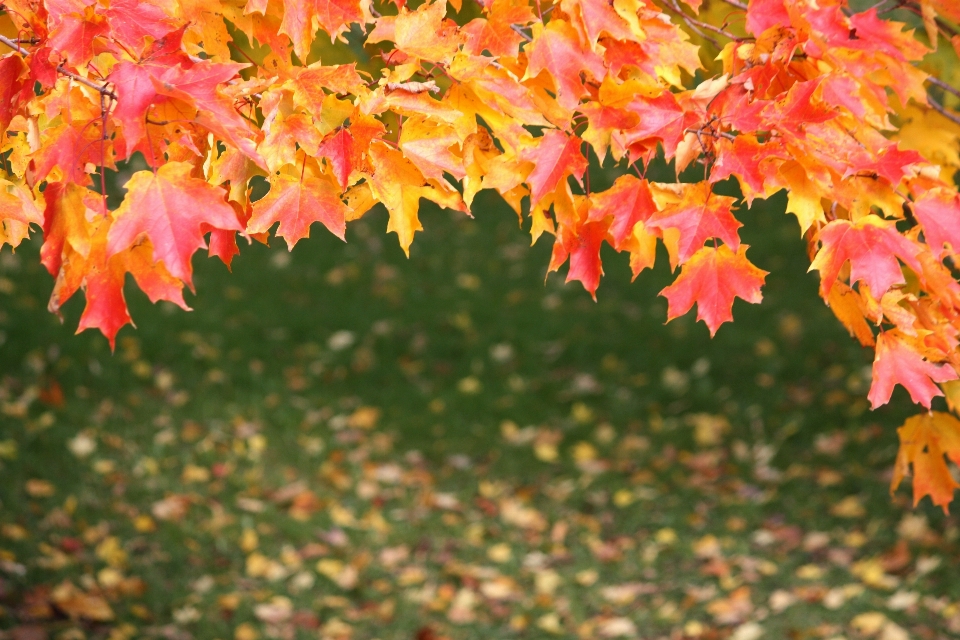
{"x": 939, "y": 108}
{"x": 943, "y": 85}
{"x": 739, "y": 5}
{"x": 519, "y": 30}
{"x": 14, "y": 44}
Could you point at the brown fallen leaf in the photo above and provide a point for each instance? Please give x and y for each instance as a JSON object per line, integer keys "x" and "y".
{"x": 80, "y": 605}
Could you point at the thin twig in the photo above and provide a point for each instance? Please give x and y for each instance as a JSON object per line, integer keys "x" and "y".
{"x": 936, "y": 106}
{"x": 739, "y": 5}
{"x": 13, "y": 44}
{"x": 711, "y": 132}
{"x": 519, "y": 30}
{"x": 943, "y": 85}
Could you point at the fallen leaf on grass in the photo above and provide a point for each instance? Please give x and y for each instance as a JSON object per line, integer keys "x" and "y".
{"x": 732, "y": 609}
{"x": 39, "y": 488}
{"x": 617, "y": 628}
{"x": 172, "y": 508}
{"x": 77, "y": 604}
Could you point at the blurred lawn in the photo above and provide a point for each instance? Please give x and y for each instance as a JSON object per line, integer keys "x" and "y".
{"x": 343, "y": 443}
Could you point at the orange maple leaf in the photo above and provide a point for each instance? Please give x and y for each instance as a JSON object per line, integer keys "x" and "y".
{"x": 712, "y": 279}
{"x": 297, "y": 202}
{"x": 924, "y": 441}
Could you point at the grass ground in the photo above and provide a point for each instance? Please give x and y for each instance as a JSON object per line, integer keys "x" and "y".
{"x": 343, "y": 443}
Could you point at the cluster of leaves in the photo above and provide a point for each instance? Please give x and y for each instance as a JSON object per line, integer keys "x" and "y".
{"x": 220, "y": 95}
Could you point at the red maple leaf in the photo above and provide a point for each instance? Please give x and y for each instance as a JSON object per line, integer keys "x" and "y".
{"x": 763, "y": 14}
{"x": 899, "y": 362}
{"x": 142, "y": 86}
{"x": 132, "y": 22}
{"x": 698, "y": 216}
{"x": 872, "y": 245}
{"x": 712, "y": 279}
{"x": 628, "y": 202}
{"x": 742, "y": 158}
{"x": 74, "y": 35}
{"x": 338, "y": 149}
{"x": 582, "y": 245}
{"x": 171, "y": 208}
{"x": 11, "y": 70}
{"x": 555, "y": 156}
{"x": 938, "y": 211}
{"x": 661, "y": 119}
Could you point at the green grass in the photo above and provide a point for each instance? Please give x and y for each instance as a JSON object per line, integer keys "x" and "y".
{"x": 511, "y": 412}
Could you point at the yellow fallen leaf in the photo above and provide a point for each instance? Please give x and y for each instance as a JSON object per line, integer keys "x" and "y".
{"x": 869, "y": 623}
{"x": 849, "y": 507}
{"x": 500, "y": 552}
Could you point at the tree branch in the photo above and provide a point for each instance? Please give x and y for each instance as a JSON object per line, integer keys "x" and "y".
{"x": 103, "y": 89}
{"x": 739, "y": 5}
{"x": 943, "y": 85}
{"x": 939, "y": 108}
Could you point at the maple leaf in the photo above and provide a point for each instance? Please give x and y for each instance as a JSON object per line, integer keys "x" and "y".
{"x": 140, "y": 87}
{"x": 847, "y": 305}
{"x": 577, "y": 238}
{"x": 423, "y": 33}
{"x": 661, "y": 119}
{"x": 583, "y": 250}
{"x": 496, "y": 33}
{"x": 557, "y": 49}
{"x": 70, "y": 148}
{"x": 925, "y": 440}
{"x": 11, "y": 83}
{"x": 17, "y": 212}
{"x": 938, "y": 211}
{"x": 74, "y": 36}
{"x": 872, "y": 245}
{"x": 298, "y": 17}
{"x": 803, "y": 195}
{"x": 399, "y": 185}
{"x": 396, "y": 183}
{"x": 297, "y": 202}
{"x": 555, "y": 156}
{"x": 765, "y": 14}
{"x": 628, "y": 202}
{"x": 64, "y": 223}
{"x": 598, "y": 18}
{"x": 898, "y": 361}
{"x": 430, "y": 147}
{"x": 103, "y": 279}
{"x": 339, "y": 150}
{"x": 170, "y": 207}
{"x": 712, "y": 279}
{"x": 133, "y": 21}
{"x": 279, "y": 146}
{"x": 743, "y": 158}
{"x": 698, "y": 216}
